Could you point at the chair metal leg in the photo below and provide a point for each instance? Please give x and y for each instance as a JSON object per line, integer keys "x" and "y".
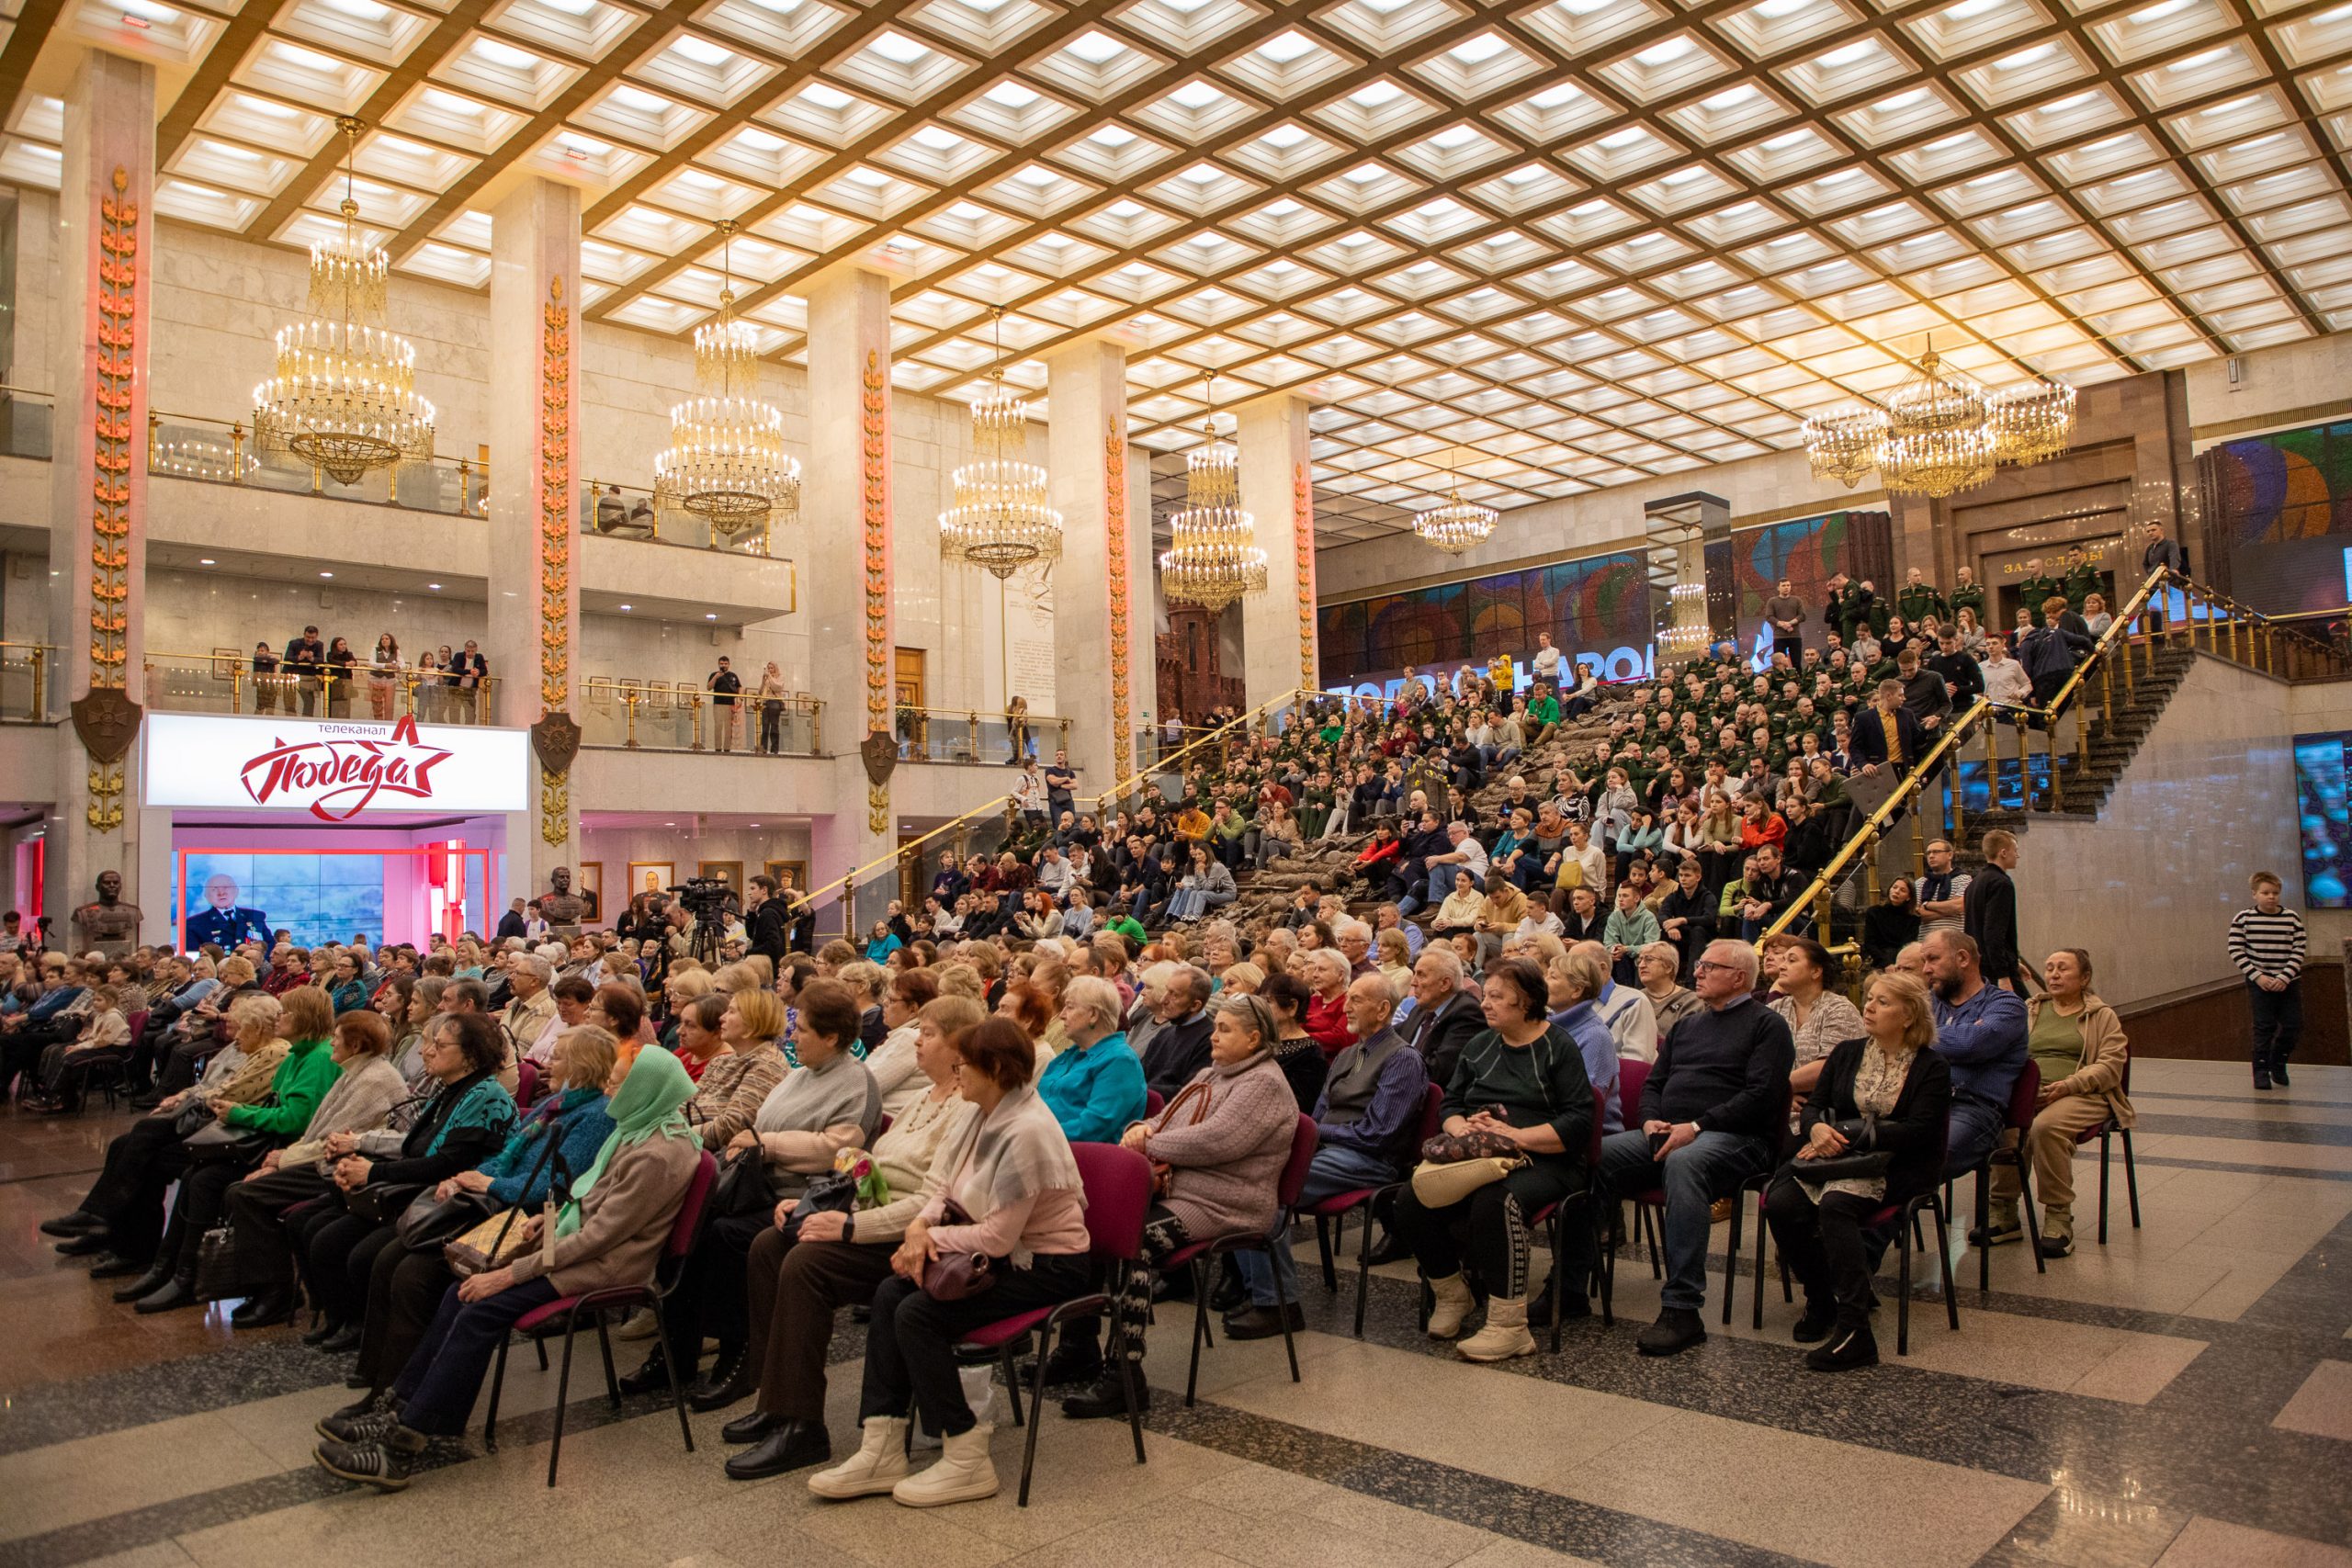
{"x": 1364, "y": 1268}
{"x": 1943, "y": 1251}
{"x": 2103, "y": 1151}
{"x": 2131, "y": 1177}
{"x": 1131, "y": 1384}
{"x": 677, "y": 1389}
{"x": 2025, "y": 1208}
{"x": 1013, "y": 1376}
{"x": 541, "y": 1347}
{"x": 1281, "y": 1310}
{"x": 1984, "y": 1224}
{"x": 1653, "y": 1225}
{"x": 612, "y": 1381}
{"x": 1558, "y": 1230}
{"x": 497, "y": 1385}
{"x": 1605, "y": 1247}
{"x": 1200, "y": 1335}
{"x": 1323, "y": 1245}
{"x": 1902, "y": 1304}
{"x": 1731, "y": 1257}
{"x": 562, "y": 1396}
{"x": 1763, "y": 1233}
{"x": 1037, "y": 1402}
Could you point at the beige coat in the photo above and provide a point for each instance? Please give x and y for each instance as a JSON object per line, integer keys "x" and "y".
{"x": 2106, "y": 1053}
{"x": 625, "y": 1220}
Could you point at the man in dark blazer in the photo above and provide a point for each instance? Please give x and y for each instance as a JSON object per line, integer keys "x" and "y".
{"x": 1444, "y": 1016}
{"x": 1888, "y": 719}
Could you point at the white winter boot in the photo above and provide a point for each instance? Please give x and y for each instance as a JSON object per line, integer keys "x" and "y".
{"x": 1453, "y": 1304}
{"x": 1505, "y": 1334}
{"x": 964, "y": 1473}
{"x": 879, "y": 1464}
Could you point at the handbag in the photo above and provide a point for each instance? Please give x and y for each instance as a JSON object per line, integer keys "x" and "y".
{"x": 742, "y": 1187}
{"x": 493, "y": 1244}
{"x": 429, "y": 1221}
{"x": 952, "y": 1276}
{"x": 215, "y": 1142}
{"x": 1862, "y": 1160}
{"x": 1164, "y": 1176}
{"x": 219, "y": 1276}
{"x": 835, "y": 1192}
{"x": 381, "y": 1202}
{"x": 1452, "y": 1148}
{"x": 1437, "y": 1184}
{"x": 192, "y": 1117}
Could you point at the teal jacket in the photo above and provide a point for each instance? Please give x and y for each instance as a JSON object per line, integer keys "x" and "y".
{"x": 1096, "y": 1094}
{"x": 302, "y": 1080}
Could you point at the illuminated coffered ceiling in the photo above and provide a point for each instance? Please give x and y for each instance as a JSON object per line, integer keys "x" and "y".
{"x": 1558, "y": 243}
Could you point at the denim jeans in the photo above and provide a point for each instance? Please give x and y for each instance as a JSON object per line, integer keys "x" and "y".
{"x": 1973, "y": 1128}
{"x": 2278, "y": 1020}
{"x": 1334, "y": 1170}
{"x": 1710, "y": 1166}
{"x": 444, "y": 1375}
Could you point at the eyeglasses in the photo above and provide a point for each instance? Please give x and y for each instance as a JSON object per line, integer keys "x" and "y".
{"x": 1705, "y": 964}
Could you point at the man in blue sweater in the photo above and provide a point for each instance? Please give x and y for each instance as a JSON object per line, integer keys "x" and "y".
{"x": 1981, "y": 1030}
{"x": 1713, "y": 1114}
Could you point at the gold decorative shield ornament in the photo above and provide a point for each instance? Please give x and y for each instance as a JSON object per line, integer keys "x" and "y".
{"x": 108, "y": 721}
{"x": 555, "y": 739}
{"x": 881, "y": 754}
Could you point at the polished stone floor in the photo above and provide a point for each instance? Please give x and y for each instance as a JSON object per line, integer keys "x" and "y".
{"x": 2181, "y": 1396}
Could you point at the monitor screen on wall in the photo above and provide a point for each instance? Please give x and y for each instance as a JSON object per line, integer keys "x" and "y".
{"x": 2321, "y": 807}
{"x": 318, "y": 897}
{"x": 2286, "y": 500}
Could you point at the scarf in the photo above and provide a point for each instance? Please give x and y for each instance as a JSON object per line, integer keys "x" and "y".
{"x": 650, "y": 1103}
{"x": 1016, "y": 1151}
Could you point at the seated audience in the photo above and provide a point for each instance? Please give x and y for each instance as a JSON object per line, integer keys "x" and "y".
{"x": 2078, "y": 1043}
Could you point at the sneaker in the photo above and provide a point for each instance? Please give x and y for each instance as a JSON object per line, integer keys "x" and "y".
{"x": 2001, "y": 1227}
{"x": 2057, "y": 1232}
{"x": 2262, "y": 1078}
{"x": 366, "y": 1421}
{"x": 2278, "y": 1072}
{"x": 370, "y": 1464}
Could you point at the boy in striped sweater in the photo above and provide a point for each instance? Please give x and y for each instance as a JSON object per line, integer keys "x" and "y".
{"x": 2266, "y": 944}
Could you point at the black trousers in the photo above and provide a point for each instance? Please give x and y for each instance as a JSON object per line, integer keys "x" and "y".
{"x": 711, "y": 1299}
{"x": 260, "y": 1217}
{"x": 338, "y": 1249}
{"x": 204, "y": 1193}
{"x": 183, "y": 1059}
{"x": 1486, "y": 1232}
{"x": 404, "y": 1292}
{"x": 910, "y": 1345}
{"x": 140, "y": 1164}
{"x": 2278, "y": 1020}
{"x": 1824, "y": 1246}
{"x": 772, "y": 727}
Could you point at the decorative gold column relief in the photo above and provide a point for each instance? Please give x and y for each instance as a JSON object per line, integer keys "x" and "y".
{"x": 1114, "y": 526}
{"x": 874, "y": 444}
{"x": 105, "y": 718}
{"x": 556, "y": 738}
{"x": 1302, "y": 527}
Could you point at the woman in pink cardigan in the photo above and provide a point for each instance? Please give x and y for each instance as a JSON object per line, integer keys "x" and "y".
{"x": 1224, "y": 1138}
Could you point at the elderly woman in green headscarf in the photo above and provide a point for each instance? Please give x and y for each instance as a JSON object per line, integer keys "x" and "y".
{"x": 609, "y": 1234}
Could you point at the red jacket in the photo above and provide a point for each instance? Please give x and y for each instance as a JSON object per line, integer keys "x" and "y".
{"x": 1326, "y": 1021}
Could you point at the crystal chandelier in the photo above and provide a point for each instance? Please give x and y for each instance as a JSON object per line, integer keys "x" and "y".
{"x": 1938, "y": 431}
{"x": 345, "y": 395}
{"x": 1000, "y": 520}
{"x": 1210, "y": 560}
{"x": 1455, "y": 524}
{"x": 726, "y": 461}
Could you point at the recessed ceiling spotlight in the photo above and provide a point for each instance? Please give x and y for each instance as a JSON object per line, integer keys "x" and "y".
{"x": 326, "y": 574}
{"x": 623, "y": 607}
{"x": 206, "y": 560}
{"x": 434, "y": 586}
{"x": 710, "y": 617}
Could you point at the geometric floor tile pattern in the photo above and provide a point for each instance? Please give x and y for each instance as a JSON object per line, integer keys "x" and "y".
{"x": 2181, "y": 1397}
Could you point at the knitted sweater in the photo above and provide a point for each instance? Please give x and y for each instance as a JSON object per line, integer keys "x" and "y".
{"x": 733, "y": 1087}
{"x": 518, "y": 1176}
{"x": 1228, "y": 1157}
{"x": 904, "y": 1155}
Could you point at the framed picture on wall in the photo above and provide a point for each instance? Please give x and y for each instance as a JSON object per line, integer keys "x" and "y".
{"x": 795, "y": 870}
{"x": 651, "y": 876}
{"x": 591, "y": 891}
{"x": 226, "y": 662}
{"x": 730, "y": 871}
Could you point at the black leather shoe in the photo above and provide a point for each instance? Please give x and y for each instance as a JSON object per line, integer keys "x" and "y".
{"x": 752, "y": 1428}
{"x": 1847, "y": 1348}
{"x": 1106, "y": 1399}
{"x": 1539, "y": 1311}
{"x": 173, "y": 1294}
{"x": 147, "y": 1284}
{"x": 264, "y": 1311}
{"x": 1265, "y": 1323}
{"x": 1073, "y": 1362}
{"x": 343, "y": 1341}
{"x": 795, "y": 1445}
{"x": 729, "y": 1382}
{"x": 1676, "y": 1330}
{"x": 1390, "y": 1250}
{"x": 1232, "y": 1292}
{"x": 90, "y": 1243}
{"x": 2279, "y": 1073}
{"x": 74, "y": 1223}
{"x": 649, "y": 1377}
{"x": 327, "y": 1329}
{"x": 1814, "y": 1328}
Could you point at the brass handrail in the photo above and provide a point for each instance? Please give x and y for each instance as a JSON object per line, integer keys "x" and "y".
{"x": 37, "y": 655}
{"x": 605, "y": 689}
{"x": 2260, "y": 653}
{"x": 409, "y": 678}
{"x": 1133, "y": 781}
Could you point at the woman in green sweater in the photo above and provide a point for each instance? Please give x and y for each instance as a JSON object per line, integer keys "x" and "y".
{"x": 303, "y": 1076}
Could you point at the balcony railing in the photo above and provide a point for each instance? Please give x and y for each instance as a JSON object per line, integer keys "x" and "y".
{"x": 626, "y": 512}
{"x": 965, "y": 735}
{"x": 225, "y": 683}
{"x": 215, "y": 451}
{"x": 654, "y": 715}
{"x": 27, "y": 683}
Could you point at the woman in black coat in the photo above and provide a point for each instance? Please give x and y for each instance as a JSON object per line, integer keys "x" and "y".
{"x": 1892, "y": 1077}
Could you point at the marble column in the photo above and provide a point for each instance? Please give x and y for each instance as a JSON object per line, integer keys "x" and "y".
{"x": 845, "y": 525}
{"x": 98, "y": 550}
{"x": 1278, "y": 626}
{"x": 1102, "y": 672}
{"x": 533, "y": 637}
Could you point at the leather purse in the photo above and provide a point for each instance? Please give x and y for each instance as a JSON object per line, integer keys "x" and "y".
{"x": 429, "y": 1221}
{"x": 215, "y": 1142}
{"x": 1163, "y": 1175}
{"x": 1860, "y": 1160}
{"x": 493, "y": 1244}
{"x": 382, "y": 1203}
{"x": 952, "y": 1276}
{"x": 742, "y": 1187}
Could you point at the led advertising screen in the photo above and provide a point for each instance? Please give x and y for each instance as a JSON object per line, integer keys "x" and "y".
{"x": 2320, "y": 811}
